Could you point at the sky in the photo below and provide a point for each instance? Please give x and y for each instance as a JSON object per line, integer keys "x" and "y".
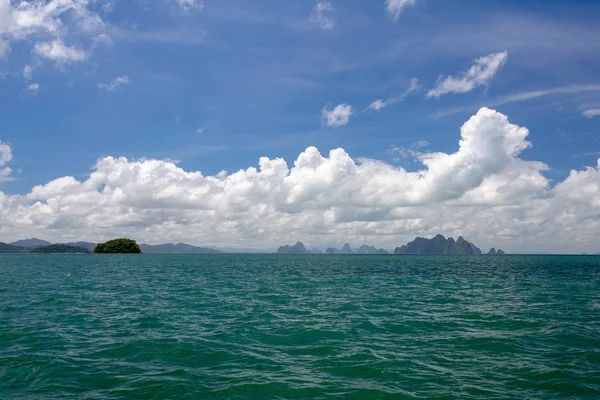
{"x": 231, "y": 123}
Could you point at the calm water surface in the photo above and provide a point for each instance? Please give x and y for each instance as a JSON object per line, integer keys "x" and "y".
{"x": 296, "y": 327}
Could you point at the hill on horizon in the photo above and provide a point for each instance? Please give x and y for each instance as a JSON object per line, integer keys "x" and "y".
{"x": 176, "y": 248}
{"x": 438, "y": 245}
{"x": 30, "y": 243}
{"x": 7, "y": 248}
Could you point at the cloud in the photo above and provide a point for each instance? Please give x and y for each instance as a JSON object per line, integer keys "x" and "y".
{"x": 395, "y": 7}
{"x": 483, "y": 191}
{"x": 199, "y": 131}
{"x": 103, "y": 39}
{"x": 524, "y": 96}
{"x": 28, "y": 72}
{"x": 5, "y": 158}
{"x": 46, "y": 24}
{"x": 380, "y": 103}
{"x": 33, "y": 88}
{"x": 591, "y": 113}
{"x": 481, "y": 73}
{"x": 321, "y": 15}
{"x": 4, "y": 48}
{"x": 339, "y": 116}
{"x": 413, "y": 151}
{"x": 57, "y": 51}
{"x": 187, "y": 5}
{"x": 114, "y": 85}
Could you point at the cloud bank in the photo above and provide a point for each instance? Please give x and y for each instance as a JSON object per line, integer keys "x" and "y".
{"x": 483, "y": 191}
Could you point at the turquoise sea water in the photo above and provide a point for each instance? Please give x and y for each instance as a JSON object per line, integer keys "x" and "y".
{"x": 296, "y": 327}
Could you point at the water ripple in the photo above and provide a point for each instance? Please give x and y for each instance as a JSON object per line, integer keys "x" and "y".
{"x": 285, "y": 327}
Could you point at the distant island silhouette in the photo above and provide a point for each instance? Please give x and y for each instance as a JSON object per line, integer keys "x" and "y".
{"x": 45, "y": 247}
{"x": 118, "y": 246}
{"x": 436, "y": 245}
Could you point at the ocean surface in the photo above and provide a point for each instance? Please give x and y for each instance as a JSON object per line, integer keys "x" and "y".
{"x": 299, "y": 327}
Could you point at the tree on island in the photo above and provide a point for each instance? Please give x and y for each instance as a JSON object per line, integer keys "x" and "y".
{"x": 60, "y": 249}
{"x": 118, "y": 246}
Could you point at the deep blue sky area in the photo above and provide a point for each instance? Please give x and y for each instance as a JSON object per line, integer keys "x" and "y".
{"x": 254, "y": 77}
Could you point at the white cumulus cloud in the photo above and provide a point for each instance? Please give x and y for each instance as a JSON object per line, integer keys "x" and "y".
{"x": 339, "y": 116}
{"x": 57, "y": 51}
{"x": 47, "y": 24}
{"x": 395, "y": 7}
{"x": 481, "y": 73}
{"x": 5, "y": 158}
{"x": 322, "y": 15}
{"x": 591, "y": 113}
{"x": 114, "y": 85}
{"x": 484, "y": 191}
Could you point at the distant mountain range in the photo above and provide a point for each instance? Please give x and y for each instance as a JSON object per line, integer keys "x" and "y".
{"x": 440, "y": 245}
{"x": 30, "y": 243}
{"x": 299, "y": 248}
{"x": 179, "y": 248}
{"x": 364, "y": 249}
{"x": 436, "y": 245}
{"x": 43, "y": 246}
{"x": 7, "y": 248}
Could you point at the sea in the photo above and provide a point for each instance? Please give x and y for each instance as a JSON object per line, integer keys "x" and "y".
{"x": 299, "y": 327}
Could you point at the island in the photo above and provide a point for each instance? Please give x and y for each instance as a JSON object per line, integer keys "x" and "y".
{"x": 364, "y": 249}
{"x": 494, "y": 252}
{"x": 118, "y": 246}
{"x": 438, "y": 245}
{"x": 59, "y": 249}
{"x": 298, "y": 248}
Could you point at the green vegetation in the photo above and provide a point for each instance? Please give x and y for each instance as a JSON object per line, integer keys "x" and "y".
{"x": 60, "y": 249}
{"x": 118, "y": 246}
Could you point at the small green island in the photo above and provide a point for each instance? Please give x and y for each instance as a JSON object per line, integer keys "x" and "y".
{"x": 118, "y": 246}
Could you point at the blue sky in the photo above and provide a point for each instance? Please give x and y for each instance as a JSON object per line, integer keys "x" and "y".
{"x": 215, "y": 85}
